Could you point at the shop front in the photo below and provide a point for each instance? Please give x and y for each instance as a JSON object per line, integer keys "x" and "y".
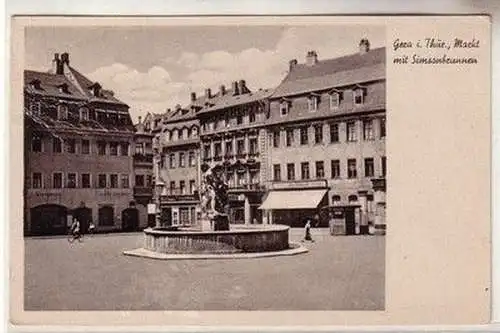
{"x": 180, "y": 210}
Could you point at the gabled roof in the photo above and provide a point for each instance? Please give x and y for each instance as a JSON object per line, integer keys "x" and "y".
{"x": 326, "y": 74}
{"x": 231, "y": 101}
{"x": 50, "y": 84}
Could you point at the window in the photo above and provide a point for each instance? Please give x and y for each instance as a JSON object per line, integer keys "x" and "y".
{"x": 304, "y": 138}
{"x": 175, "y": 135}
{"x": 284, "y": 108}
{"x": 289, "y": 137}
{"x": 57, "y": 181}
{"x": 335, "y": 164}
{"x": 71, "y": 180}
{"x": 36, "y": 108}
{"x": 192, "y": 160}
{"x": 369, "y": 167}
{"x": 318, "y": 134}
{"x": 36, "y": 144}
{"x": 276, "y": 139}
{"x": 383, "y": 161}
{"x": 253, "y": 146}
{"x": 320, "y": 169}
{"x": 113, "y": 180}
{"x": 334, "y": 133}
{"x": 335, "y": 199}
{"x": 351, "y": 131}
{"x": 101, "y": 181}
{"x": 149, "y": 180}
{"x": 304, "y": 170}
{"x": 239, "y": 119}
{"x": 194, "y": 132}
{"x": 277, "y": 172}
{"x": 182, "y": 186}
{"x": 56, "y": 145}
{"x": 37, "y": 180}
{"x": 368, "y": 129}
{"x": 181, "y": 134}
{"x": 226, "y": 121}
{"x": 240, "y": 147}
{"x": 229, "y": 148}
{"x": 172, "y": 187}
{"x": 254, "y": 177}
{"x": 62, "y": 112}
{"x": 312, "y": 103}
{"x": 251, "y": 117}
{"x": 85, "y": 180}
{"x": 206, "y": 151}
{"x": 382, "y": 128}
{"x": 124, "y": 180}
{"x": 217, "y": 150}
{"x": 359, "y": 94}
{"x": 192, "y": 186}
{"x": 290, "y": 171}
{"x": 113, "y": 148}
{"x": 139, "y": 149}
{"x": 172, "y": 161}
{"x": 84, "y": 114}
{"x": 334, "y": 100}
{"x": 124, "y": 149}
{"x": 182, "y": 160}
{"x": 352, "y": 198}
{"x": 101, "y": 147}
{"x": 351, "y": 168}
{"x": 139, "y": 180}
{"x": 71, "y": 146}
{"x": 85, "y": 147}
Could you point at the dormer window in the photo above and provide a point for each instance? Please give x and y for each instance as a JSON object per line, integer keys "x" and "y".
{"x": 36, "y": 108}
{"x": 62, "y": 112}
{"x": 312, "y": 103}
{"x": 335, "y": 97}
{"x": 284, "y": 108}
{"x": 95, "y": 89}
{"x": 84, "y": 114}
{"x": 63, "y": 88}
{"x": 194, "y": 132}
{"x": 36, "y": 84}
{"x": 359, "y": 95}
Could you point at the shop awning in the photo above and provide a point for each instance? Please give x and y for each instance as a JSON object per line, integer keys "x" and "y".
{"x": 303, "y": 199}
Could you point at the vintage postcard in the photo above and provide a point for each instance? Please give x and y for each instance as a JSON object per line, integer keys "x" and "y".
{"x": 261, "y": 171}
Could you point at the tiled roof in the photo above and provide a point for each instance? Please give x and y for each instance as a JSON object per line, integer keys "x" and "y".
{"x": 329, "y": 73}
{"x": 229, "y": 100}
{"x": 50, "y": 85}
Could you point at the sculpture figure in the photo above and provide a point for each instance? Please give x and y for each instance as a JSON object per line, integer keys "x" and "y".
{"x": 214, "y": 198}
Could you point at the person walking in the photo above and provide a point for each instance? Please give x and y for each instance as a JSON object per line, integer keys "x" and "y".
{"x": 75, "y": 231}
{"x": 308, "y": 231}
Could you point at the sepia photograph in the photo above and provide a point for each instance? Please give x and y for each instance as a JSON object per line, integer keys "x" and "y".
{"x": 205, "y": 167}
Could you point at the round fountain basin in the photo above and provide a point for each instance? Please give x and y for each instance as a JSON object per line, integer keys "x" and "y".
{"x": 240, "y": 239}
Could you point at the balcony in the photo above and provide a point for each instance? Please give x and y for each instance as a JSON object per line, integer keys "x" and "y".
{"x": 141, "y": 191}
{"x": 143, "y": 159}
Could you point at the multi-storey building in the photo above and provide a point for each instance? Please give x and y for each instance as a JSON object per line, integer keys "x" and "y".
{"x": 77, "y": 151}
{"x": 143, "y": 168}
{"x": 232, "y": 136}
{"x": 326, "y": 134}
{"x": 178, "y": 164}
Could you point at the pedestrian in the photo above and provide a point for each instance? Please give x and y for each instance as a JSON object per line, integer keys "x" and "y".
{"x": 91, "y": 227}
{"x": 331, "y": 223}
{"x": 308, "y": 231}
{"x": 75, "y": 231}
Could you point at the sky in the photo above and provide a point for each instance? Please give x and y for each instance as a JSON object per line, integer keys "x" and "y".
{"x": 154, "y": 68}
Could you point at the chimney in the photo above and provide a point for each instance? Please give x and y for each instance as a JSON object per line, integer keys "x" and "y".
{"x": 364, "y": 46}
{"x": 65, "y": 58}
{"x": 193, "y": 96}
{"x": 208, "y": 93}
{"x": 311, "y": 58}
{"x": 140, "y": 119}
{"x": 243, "y": 87}
{"x": 57, "y": 65}
{"x": 222, "y": 90}
{"x": 291, "y": 64}
{"x": 235, "y": 88}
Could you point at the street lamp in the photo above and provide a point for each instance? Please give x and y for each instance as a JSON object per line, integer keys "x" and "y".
{"x": 159, "y": 190}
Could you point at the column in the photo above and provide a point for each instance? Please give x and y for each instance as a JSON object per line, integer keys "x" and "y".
{"x": 247, "y": 211}
{"x": 363, "y": 214}
{"x": 270, "y": 219}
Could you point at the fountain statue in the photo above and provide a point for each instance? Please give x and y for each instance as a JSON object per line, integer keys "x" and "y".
{"x": 214, "y": 199}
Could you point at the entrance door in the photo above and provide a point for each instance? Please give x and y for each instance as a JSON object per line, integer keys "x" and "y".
{"x": 48, "y": 219}
{"x": 350, "y": 222}
{"x": 106, "y": 216}
{"x": 130, "y": 219}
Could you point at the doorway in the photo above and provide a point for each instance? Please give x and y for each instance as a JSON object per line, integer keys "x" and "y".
{"x": 350, "y": 221}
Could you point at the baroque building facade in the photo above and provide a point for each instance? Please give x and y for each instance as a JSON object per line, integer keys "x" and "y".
{"x": 311, "y": 148}
{"x": 77, "y": 152}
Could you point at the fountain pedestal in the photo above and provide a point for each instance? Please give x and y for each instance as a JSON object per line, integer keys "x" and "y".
{"x": 206, "y": 225}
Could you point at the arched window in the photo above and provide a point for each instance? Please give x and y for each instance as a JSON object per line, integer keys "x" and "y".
{"x": 353, "y": 198}
{"x": 194, "y": 131}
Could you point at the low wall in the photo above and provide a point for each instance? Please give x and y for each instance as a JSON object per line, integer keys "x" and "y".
{"x": 236, "y": 240}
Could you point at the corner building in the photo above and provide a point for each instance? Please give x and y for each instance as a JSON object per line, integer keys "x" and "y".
{"x": 76, "y": 152}
{"x": 326, "y": 135}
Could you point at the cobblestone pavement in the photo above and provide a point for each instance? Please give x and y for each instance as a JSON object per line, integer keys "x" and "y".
{"x": 338, "y": 273}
